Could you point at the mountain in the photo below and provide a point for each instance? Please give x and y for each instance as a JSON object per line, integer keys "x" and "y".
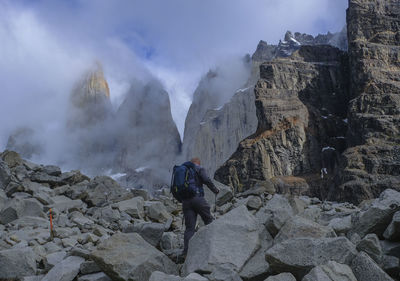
{"x": 215, "y": 125}
{"x": 90, "y": 99}
{"x": 146, "y": 136}
{"x": 327, "y": 119}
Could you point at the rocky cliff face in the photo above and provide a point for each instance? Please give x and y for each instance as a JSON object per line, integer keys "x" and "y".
{"x": 222, "y": 113}
{"x": 147, "y": 137}
{"x": 213, "y": 131}
{"x": 90, "y": 99}
{"x": 373, "y": 161}
{"x": 319, "y": 101}
{"x": 300, "y": 105}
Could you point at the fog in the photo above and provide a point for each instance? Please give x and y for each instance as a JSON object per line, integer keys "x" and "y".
{"x": 46, "y": 46}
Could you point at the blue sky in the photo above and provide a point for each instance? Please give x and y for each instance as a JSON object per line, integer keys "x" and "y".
{"x": 46, "y": 44}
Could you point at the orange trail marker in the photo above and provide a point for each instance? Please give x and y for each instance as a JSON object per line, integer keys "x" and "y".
{"x": 51, "y": 225}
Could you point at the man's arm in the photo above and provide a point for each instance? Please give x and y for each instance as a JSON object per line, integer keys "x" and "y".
{"x": 207, "y": 181}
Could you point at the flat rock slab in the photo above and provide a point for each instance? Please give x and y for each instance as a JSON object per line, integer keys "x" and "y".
{"x": 299, "y": 227}
{"x": 127, "y": 256}
{"x": 17, "y": 263}
{"x": 300, "y": 255}
{"x": 66, "y": 270}
{"x": 281, "y": 277}
{"x": 231, "y": 239}
{"x": 332, "y": 271}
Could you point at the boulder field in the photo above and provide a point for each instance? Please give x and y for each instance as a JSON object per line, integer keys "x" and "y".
{"x": 102, "y": 231}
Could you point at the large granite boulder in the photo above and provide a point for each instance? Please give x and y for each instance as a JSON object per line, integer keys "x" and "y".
{"x": 230, "y": 240}
{"x": 376, "y": 217}
{"x": 365, "y": 269}
{"x": 133, "y": 207}
{"x": 392, "y": 232}
{"x": 103, "y": 190}
{"x": 299, "y": 227}
{"x": 17, "y": 263}
{"x": 127, "y": 256}
{"x": 17, "y": 208}
{"x": 275, "y": 213}
{"x": 66, "y": 270}
{"x": 300, "y": 255}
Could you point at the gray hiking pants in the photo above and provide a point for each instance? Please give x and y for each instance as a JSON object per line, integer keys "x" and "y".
{"x": 191, "y": 208}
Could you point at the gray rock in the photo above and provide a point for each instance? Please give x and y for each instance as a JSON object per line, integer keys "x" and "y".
{"x": 12, "y": 158}
{"x": 161, "y": 276}
{"x": 281, "y": 277}
{"x": 254, "y": 203}
{"x": 332, "y": 271}
{"x": 17, "y": 263}
{"x": 54, "y": 258}
{"x": 157, "y": 212}
{"x": 275, "y": 213}
{"x": 128, "y": 256}
{"x": 224, "y": 273}
{"x": 89, "y": 267}
{"x": 27, "y": 221}
{"x": 64, "y": 204}
{"x": 101, "y": 276}
{"x": 341, "y": 225}
{"x": 73, "y": 177}
{"x": 392, "y": 232}
{"x": 299, "y": 227}
{"x": 151, "y": 232}
{"x": 133, "y": 207}
{"x": 42, "y": 177}
{"x": 33, "y": 278}
{"x": 256, "y": 267}
{"x": 378, "y": 216}
{"x": 104, "y": 190}
{"x": 194, "y": 277}
{"x": 365, "y": 269}
{"x": 231, "y": 239}
{"x": 391, "y": 265}
{"x": 66, "y": 270}
{"x": 5, "y": 174}
{"x": 225, "y": 194}
{"x": 169, "y": 241}
{"x": 390, "y": 248}
{"x": 370, "y": 245}
{"x": 80, "y": 220}
{"x": 17, "y": 208}
{"x": 300, "y": 255}
{"x": 52, "y": 170}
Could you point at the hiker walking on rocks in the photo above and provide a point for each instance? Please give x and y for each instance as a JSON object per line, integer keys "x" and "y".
{"x": 187, "y": 188}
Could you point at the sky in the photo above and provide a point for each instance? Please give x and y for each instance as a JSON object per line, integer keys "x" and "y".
{"x": 45, "y": 45}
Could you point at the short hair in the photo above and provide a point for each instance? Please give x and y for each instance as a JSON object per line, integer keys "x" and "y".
{"x": 195, "y": 160}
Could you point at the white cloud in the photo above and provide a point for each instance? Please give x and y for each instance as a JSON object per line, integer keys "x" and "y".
{"x": 46, "y": 44}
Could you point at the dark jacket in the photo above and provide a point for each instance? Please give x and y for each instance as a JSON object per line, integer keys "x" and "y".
{"x": 201, "y": 178}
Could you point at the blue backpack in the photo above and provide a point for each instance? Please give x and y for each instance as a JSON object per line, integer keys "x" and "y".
{"x": 183, "y": 183}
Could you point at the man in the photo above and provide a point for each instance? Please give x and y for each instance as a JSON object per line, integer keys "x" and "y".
{"x": 197, "y": 205}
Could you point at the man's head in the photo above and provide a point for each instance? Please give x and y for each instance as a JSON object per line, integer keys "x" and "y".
{"x": 195, "y": 160}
